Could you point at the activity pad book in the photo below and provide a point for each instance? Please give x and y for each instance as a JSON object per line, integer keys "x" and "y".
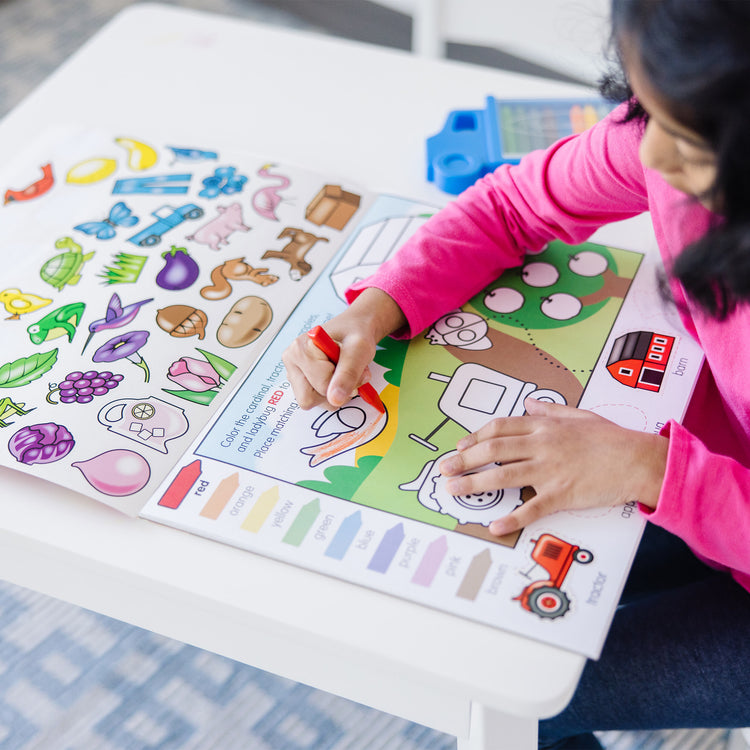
{"x": 149, "y": 290}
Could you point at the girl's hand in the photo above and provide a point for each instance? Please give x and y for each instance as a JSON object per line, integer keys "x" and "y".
{"x": 571, "y": 457}
{"x": 316, "y": 381}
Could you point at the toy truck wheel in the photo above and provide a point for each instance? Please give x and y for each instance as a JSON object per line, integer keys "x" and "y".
{"x": 152, "y": 239}
{"x": 548, "y": 601}
{"x": 194, "y": 213}
{"x": 583, "y": 556}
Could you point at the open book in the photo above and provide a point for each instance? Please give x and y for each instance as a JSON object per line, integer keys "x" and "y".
{"x": 149, "y": 290}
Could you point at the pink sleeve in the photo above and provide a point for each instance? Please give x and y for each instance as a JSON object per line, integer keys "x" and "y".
{"x": 704, "y": 500}
{"x": 565, "y": 192}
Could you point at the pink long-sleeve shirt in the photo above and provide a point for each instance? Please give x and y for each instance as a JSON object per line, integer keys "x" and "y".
{"x": 566, "y": 192}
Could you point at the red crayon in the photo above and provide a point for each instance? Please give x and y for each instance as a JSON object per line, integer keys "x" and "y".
{"x": 331, "y": 349}
{"x": 181, "y": 484}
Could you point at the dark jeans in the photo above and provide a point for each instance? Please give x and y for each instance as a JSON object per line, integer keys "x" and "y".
{"x": 677, "y": 654}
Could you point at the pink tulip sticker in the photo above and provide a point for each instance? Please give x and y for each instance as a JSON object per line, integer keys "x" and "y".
{"x": 200, "y": 379}
{"x": 194, "y": 374}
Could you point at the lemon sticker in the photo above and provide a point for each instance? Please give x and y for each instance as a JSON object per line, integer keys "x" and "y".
{"x": 91, "y": 170}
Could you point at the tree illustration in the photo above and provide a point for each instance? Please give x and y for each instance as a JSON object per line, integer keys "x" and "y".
{"x": 560, "y": 286}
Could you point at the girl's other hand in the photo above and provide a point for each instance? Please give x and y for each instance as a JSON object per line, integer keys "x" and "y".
{"x": 316, "y": 381}
{"x": 572, "y": 458}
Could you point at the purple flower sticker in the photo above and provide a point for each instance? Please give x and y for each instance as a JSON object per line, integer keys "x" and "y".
{"x": 41, "y": 443}
{"x": 124, "y": 346}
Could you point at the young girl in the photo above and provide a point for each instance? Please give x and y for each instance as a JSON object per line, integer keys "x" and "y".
{"x": 678, "y": 653}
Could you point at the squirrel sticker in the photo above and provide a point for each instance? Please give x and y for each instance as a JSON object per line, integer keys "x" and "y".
{"x": 235, "y": 269}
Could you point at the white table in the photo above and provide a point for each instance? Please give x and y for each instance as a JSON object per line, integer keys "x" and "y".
{"x": 354, "y": 110}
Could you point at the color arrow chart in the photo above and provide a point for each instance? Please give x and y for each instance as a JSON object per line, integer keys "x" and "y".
{"x": 299, "y": 518}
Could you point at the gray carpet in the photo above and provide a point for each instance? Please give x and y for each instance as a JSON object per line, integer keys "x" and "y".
{"x": 74, "y": 680}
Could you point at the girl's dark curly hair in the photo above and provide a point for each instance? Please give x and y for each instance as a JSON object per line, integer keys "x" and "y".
{"x": 696, "y": 55}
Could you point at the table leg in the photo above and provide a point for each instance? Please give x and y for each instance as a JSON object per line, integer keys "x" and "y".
{"x": 492, "y": 730}
{"x": 427, "y": 29}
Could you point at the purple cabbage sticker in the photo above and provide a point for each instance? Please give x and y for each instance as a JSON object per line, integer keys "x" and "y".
{"x": 41, "y": 443}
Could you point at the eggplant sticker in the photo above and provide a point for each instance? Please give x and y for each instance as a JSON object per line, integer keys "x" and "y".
{"x": 180, "y": 270}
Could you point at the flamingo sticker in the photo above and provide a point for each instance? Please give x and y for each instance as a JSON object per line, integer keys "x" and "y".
{"x": 266, "y": 200}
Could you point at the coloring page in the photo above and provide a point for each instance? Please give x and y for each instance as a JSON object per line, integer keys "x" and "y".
{"x": 356, "y": 492}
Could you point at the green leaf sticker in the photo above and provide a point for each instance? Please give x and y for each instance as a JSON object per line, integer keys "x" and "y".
{"x": 26, "y": 369}
{"x": 224, "y": 368}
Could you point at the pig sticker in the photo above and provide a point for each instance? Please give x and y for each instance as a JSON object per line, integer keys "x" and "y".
{"x": 215, "y": 232}
{"x": 149, "y": 421}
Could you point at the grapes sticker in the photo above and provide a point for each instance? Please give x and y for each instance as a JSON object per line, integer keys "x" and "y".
{"x": 81, "y": 387}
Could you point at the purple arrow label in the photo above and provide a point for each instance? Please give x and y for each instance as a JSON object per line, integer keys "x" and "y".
{"x": 387, "y": 549}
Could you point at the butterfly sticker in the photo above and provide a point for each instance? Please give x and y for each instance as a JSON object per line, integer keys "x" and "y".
{"x": 119, "y": 216}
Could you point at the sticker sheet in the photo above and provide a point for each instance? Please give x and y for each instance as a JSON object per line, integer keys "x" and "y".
{"x": 153, "y": 290}
{"x": 140, "y": 282}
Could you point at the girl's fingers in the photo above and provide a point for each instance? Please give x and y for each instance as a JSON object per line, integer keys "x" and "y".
{"x": 309, "y": 372}
{"x": 503, "y": 450}
{"x": 538, "y": 408}
{"x": 532, "y": 510}
{"x": 491, "y": 478}
{"x": 351, "y": 371}
{"x": 497, "y": 428}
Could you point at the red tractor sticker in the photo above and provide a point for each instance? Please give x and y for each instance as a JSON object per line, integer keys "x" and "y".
{"x": 545, "y": 597}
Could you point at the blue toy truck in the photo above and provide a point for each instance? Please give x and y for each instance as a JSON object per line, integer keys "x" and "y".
{"x": 166, "y": 218}
{"x": 475, "y": 142}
